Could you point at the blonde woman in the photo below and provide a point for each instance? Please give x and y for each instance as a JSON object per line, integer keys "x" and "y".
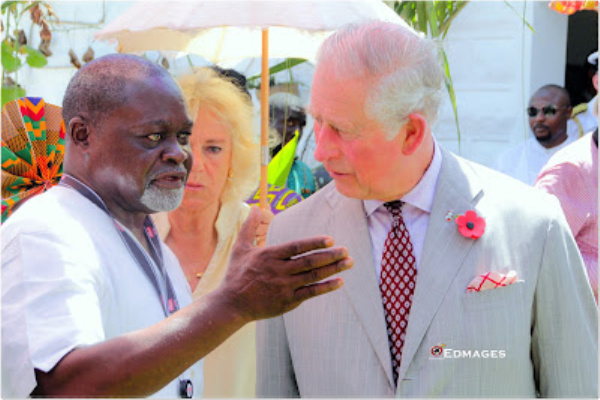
{"x": 201, "y": 232}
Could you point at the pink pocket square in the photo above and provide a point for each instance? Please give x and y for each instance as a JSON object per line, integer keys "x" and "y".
{"x": 492, "y": 280}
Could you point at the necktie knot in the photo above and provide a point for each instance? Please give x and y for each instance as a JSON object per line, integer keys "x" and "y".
{"x": 394, "y": 207}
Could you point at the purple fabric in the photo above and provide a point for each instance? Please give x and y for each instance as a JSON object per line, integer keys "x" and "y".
{"x": 278, "y": 198}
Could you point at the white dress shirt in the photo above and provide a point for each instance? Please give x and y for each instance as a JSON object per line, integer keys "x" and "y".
{"x": 415, "y": 212}
{"x": 588, "y": 120}
{"x": 69, "y": 281}
{"x": 525, "y": 160}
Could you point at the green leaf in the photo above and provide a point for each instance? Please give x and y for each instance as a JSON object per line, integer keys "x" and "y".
{"x": 421, "y": 17}
{"x": 408, "y": 13}
{"x": 35, "y": 58}
{"x": 10, "y": 93}
{"x": 282, "y": 66}
{"x": 454, "y": 11}
{"x": 7, "y": 47}
{"x": 10, "y": 63}
{"x": 432, "y": 18}
{"x": 286, "y": 64}
{"x": 7, "y": 4}
{"x": 450, "y": 89}
{"x": 520, "y": 16}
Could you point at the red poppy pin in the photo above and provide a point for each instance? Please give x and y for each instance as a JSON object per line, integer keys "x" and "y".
{"x": 470, "y": 225}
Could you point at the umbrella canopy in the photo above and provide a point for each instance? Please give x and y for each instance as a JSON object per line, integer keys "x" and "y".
{"x": 225, "y": 30}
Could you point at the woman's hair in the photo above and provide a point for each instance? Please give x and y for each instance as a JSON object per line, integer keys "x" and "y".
{"x": 204, "y": 88}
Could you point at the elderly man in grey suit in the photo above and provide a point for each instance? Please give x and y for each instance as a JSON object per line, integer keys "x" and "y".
{"x": 466, "y": 282}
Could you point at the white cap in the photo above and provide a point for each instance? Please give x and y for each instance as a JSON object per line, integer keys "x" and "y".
{"x": 284, "y": 99}
{"x": 593, "y": 59}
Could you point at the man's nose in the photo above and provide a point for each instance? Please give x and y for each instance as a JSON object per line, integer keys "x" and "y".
{"x": 175, "y": 151}
{"x": 325, "y": 147}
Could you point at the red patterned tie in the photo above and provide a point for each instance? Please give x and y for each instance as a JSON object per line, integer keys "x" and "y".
{"x": 398, "y": 277}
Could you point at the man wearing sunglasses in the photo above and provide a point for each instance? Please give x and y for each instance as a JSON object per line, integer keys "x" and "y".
{"x": 548, "y": 112}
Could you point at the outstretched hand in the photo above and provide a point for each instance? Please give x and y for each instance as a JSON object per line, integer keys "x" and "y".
{"x": 269, "y": 281}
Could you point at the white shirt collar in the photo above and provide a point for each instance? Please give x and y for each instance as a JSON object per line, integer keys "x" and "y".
{"x": 421, "y": 196}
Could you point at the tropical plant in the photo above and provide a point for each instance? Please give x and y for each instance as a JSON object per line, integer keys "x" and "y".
{"x": 287, "y": 64}
{"x": 16, "y": 51}
{"x": 433, "y": 18}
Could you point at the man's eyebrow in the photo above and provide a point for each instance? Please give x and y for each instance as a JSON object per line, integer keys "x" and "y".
{"x": 163, "y": 123}
{"x": 339, "y": 124}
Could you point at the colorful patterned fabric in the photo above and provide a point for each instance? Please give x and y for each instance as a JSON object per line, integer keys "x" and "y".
{"x": 278, "y": 198}
{"x": 33, "y": 146}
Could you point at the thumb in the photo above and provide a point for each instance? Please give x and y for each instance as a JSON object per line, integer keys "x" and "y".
{"x": 247, "y": 232}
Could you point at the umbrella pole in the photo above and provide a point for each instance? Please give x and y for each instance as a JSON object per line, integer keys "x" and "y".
{"x": 264, "y": 114}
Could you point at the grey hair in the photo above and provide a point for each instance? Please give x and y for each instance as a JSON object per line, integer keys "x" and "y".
{"x": 100, "y": 86}
{"x": 405, "y": 66}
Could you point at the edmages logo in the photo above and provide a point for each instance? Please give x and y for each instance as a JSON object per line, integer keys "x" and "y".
{"x": 438, "y": 351}
{"x": 441, "y": 352}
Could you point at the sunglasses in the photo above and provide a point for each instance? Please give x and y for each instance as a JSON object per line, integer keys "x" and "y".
{"x": 549, "y": 110}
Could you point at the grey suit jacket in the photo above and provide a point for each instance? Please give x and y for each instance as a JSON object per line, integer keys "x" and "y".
{"x": 537, "y": 337}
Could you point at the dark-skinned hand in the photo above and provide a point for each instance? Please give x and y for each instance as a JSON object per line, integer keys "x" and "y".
{"x": 263, "y": 282}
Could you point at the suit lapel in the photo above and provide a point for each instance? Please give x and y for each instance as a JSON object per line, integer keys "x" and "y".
{"x": 349, "y": 227}
{"x": 444, "y": 250}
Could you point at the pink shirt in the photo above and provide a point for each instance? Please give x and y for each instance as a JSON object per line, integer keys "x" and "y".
{"x": 572, "y": 176}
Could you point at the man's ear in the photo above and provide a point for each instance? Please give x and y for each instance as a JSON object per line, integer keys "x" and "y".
{"x": 414, "y": 130}
{"x": 569, "y": 111}
{"x": 79, "y": 131}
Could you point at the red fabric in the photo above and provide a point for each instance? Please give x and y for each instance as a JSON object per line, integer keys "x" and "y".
{"x": 492, "y": 280}
{"x": 398, "y": 279}
{"x": 470, "y": 225}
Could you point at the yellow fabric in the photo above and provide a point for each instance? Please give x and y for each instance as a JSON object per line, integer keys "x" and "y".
{"x": 579, "y": 127}
{"x": 230, "y": 369}
{"x": 280, "y": 166}
{"x": 579, "y": 108}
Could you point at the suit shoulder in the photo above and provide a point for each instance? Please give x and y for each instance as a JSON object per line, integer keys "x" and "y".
{"x": 309, "y": 206}
{"x": 506, "y": 191}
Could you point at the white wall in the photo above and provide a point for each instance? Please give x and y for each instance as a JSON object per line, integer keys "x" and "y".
{"x": 496, "y": 63}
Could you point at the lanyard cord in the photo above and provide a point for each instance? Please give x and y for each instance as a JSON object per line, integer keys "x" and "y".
{"x": 152, "y": 264}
